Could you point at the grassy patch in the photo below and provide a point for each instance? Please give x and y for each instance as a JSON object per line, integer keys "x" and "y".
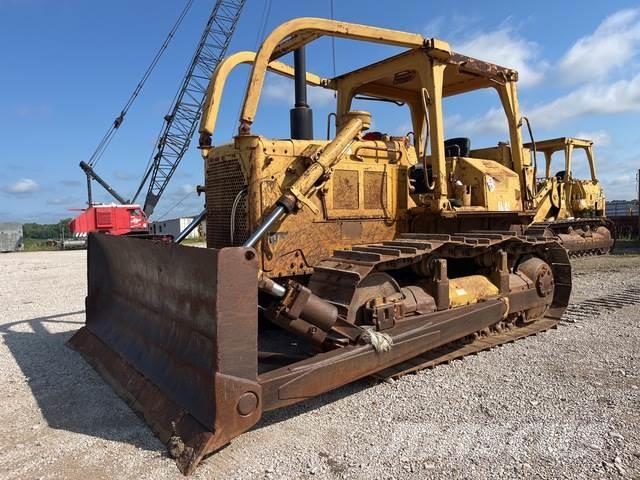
{"x": 193, "y": 241}
{"x": 37, "y": 244}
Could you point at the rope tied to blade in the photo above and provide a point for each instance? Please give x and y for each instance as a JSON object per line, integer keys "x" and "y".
{"x": 381, "y": 342}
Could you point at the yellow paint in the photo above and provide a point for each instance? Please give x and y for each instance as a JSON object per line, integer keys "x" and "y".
{"x": 471, "y": 289}
{"x": 568, "y": 197}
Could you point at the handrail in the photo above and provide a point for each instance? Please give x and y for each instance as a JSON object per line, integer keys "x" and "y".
{"x": 216, "y": 87}
{"x": 298, "y": 32}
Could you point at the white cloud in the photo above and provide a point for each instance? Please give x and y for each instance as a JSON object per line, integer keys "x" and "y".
{"x": 320, "y": 96}
{"x": 183, "y": 201}
{"x": 124, "y": 176}
{"x": 434, "y": 27}
{"x": 610, "y": 46}
{"x": 600, "y": 138}
{"x": 280, "y": 89}
{"x": 450, "y": 26}
{"x": 619, "y": 187}
{"x": 452, "y": 121}
{"x": 26, "y": 186}
{"x": 62, "y": 201}
{"x": 491, "y": 123}
{"x": 186, "y": 189}
{"x": 504, "y": 47}
{"x": 28, "y": 111}
{"x": 71, "y": 183}
{"x": 621, "y": 180}
{"x": 173, "y": 206}
{"x": 402, "y": 128}
{"x": 276, "y": 88}
{"x": 618, "y": 97}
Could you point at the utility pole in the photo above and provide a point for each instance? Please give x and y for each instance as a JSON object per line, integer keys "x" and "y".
{"x": 638, "y": 185}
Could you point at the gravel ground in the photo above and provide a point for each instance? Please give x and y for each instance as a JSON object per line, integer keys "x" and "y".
{"x": 564, "y": 404}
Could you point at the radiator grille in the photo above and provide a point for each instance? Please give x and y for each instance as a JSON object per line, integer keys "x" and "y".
{"x": 224, "y": 182}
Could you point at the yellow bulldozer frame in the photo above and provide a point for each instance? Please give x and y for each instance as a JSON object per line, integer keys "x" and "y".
{"x": 327, "y": 260}
{"x": 572, "y": 209}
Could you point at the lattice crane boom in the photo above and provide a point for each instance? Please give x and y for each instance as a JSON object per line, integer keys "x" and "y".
{"x": 181, "y": 122}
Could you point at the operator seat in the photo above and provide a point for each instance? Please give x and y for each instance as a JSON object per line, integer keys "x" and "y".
{"x": 418, "y": 178}
{"x": 457, "y": 147}
{"x": 453, "y": 147}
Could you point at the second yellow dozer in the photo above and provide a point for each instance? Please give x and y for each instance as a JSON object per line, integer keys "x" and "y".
{"x": 568, "y": 208}
{"x": 327, "y": 260}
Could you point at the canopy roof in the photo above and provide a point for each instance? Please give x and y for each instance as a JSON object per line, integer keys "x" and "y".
{"x": 462, "y": 74}
{"x": 555, "y": 144}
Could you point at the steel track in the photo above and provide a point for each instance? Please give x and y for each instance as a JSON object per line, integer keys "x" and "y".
{"x": 459, "y": 349}
{"x": 558, "y": 227}
{"x": 349, "y": 267}
{"x": 604, "y": 304}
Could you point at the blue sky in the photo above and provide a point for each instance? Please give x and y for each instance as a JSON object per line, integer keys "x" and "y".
{"x": 69, "y": 65}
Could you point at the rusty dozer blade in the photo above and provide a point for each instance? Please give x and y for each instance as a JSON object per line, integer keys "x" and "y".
{"x": 174, "y": 331}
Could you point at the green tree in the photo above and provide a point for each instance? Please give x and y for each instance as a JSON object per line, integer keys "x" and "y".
{"x": 45, "y": 231}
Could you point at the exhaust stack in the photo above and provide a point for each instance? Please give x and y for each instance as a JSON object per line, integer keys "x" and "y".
{"x": 301, "y": 116}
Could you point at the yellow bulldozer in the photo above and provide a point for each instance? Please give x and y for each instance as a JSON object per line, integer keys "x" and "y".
{"x": 570, "y": 209}
{"x": 327, "y": 260}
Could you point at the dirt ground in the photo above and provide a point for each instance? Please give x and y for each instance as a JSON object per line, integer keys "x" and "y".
{"x": 563, "y": 404}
